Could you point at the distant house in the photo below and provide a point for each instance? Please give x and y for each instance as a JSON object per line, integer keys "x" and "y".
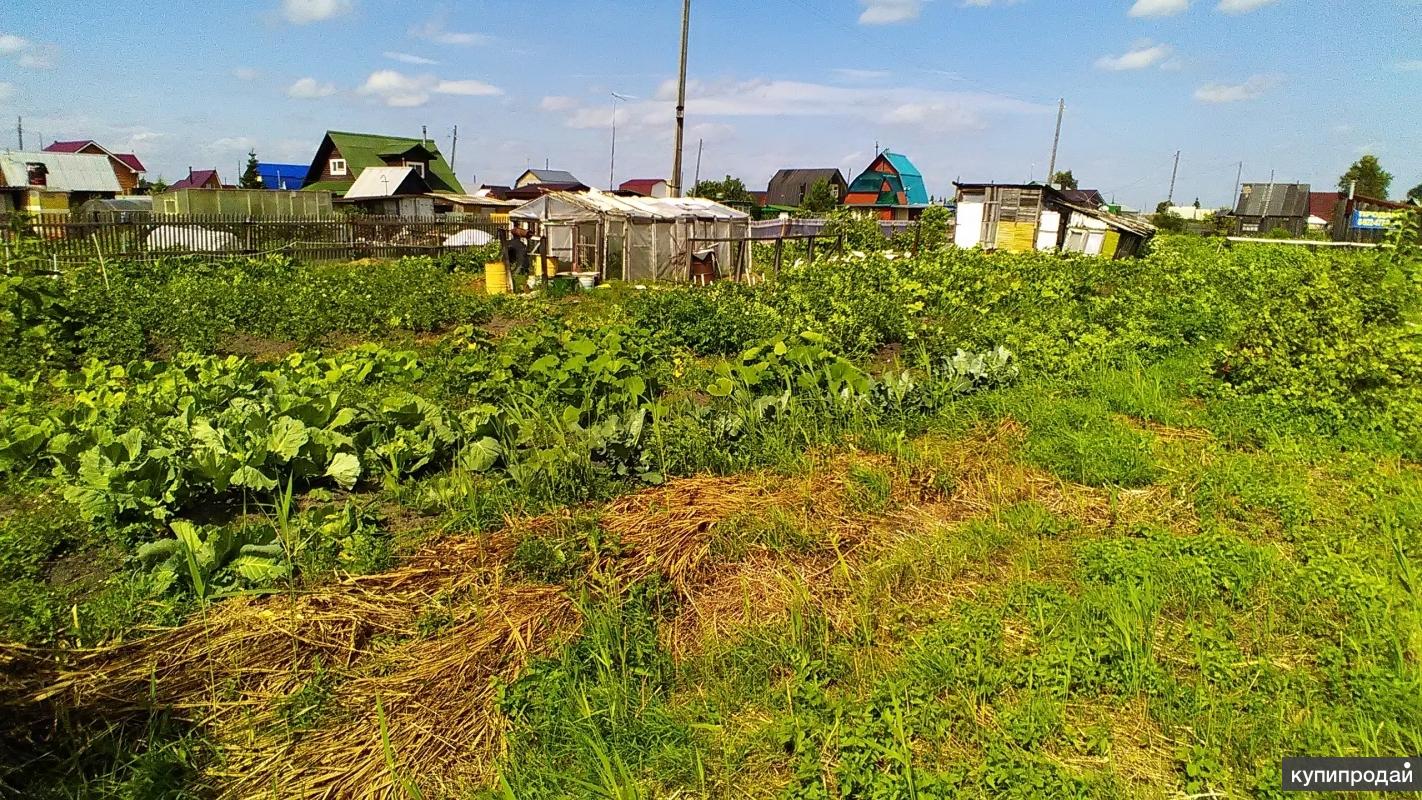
{"x": 342, "y": 157}
{"x": 392, "y": 192}
{"x": 127, "y": 168}
{"x": 282, "y": 177}
{"x": 1020, "y": 217}
{"x": 892, "y": 187}
{"x": 199, "y": 179}
{"x": 1086, "y": 197}
{"x": 788, "y": 186}
{"x": 1264, "y": 207}
{"x": 555, "y": 176}
{"x": 54, "y": 183}
{"x": 645, "y": 187}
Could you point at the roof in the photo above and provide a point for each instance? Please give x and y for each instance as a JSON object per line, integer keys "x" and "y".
{"x": 363, "y": 150}
{"x": 550, "y": 176}
{"x": 1273, "y": 200}
{"x": 374, "y": 182}
{"x": 282, "y": 176}
{"x": 1134, "y": 225}
{"x": 1089, "y": 197}
{"x": 533, "y": 190}
{"x": 196, "y": 179}
{"x": 908, "y": 180}
{"x": 641, "y": 185}
{"x": 579, "y": 206}
{"x": 127, "y": 159}
{"x": 476, "y": 199}
{"x": 65, "y": 172}
{"x": 784, "y": 187}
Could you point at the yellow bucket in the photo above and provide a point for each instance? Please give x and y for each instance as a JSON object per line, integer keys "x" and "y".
{"x": 545, "y": 266}
{"x": 496, "y": 278}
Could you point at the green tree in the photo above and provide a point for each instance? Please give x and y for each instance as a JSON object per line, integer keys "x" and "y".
{"x": 1162, "y": 207}
{"x": 729, "y": 190}
{"x": 1064, "y": 179}
{"x": 1371, "y": 179}
{"x": 820, "y": 197}
{"x": 1168, "y": 221}
{"x": 158, "y": 185}
{"x": 1415, "y": 193}
{"x": 251, "y": 179}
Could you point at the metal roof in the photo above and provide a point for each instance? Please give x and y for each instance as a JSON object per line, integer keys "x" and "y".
{"x": 282, "y": 176}
{"x": 784, "y": 186}
{"x": 579, "y": 206}
{"x": 127, "y": 159}
{"x": 65, "y": 172}
{"x": 1134, "y": 225}
{"x": 376, "y": 182}
{"x": 551, "y": 176}
{"x": 1273, "y": 200}
{"x": 197, "y": 179}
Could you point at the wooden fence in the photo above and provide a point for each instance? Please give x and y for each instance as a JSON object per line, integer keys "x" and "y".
{"x": 68, "y": 240}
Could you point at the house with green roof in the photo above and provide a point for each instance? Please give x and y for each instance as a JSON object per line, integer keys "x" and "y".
{"x": 343, "y": 156}
{"x": 892, "y": 187}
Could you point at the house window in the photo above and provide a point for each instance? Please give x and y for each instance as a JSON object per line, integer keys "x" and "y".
{"x": 338, "y": 166}
{"x": 37, "y": 174}
{"x": 418, "y": 167}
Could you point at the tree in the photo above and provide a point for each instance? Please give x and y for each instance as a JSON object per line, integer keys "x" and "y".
{"x": 729, "y": 190}
{"x": 156, "y": 186}
{"x": 1168, "y": 221}
{"x": 1065, "y": 180}
{"x": 1371, "y": 179}
{"x": 820, "y": 197}
{"x": 1197, "y": 202}
{"x": 1415, "y": 193}
{"x": 1162, "y": 207}
{"x": 251, "y": 179}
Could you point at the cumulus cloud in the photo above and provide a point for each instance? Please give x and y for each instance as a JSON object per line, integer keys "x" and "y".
{"x": 246, "y": 73}
{"x": 1142, "y": 56}
{"x": 1159, "y": 8}
{"x": 851, "y": 74}
{"x": 889, "y": 12}
{"x": 28, "y": 54}
{"x": 407, "y": 58}
{"x": 7, "y": 90}
{"x": 239, "y": 144}
{"x": 310, "y": 89}
{"x": 398, "y": 90}
{"x": 1251, "y": 89}
{"x": 925, "y": 109}
{"x": 1242, "y": 6}
{"x": 434, "y": 31}
{"x": 303, "y": 12}
{"x": 558, "y": 103}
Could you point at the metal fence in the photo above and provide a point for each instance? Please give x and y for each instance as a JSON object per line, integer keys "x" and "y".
{"x": 67, "y": 240}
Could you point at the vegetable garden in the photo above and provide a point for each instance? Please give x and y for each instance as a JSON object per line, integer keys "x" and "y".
{"x": 952, "y": 524}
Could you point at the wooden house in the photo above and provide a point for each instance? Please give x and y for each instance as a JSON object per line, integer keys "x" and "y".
{"x": 54, "y": 183}
{"x": 789, "y": 186}
{"x": 126, "y": 166}
{"x": 342, "y": 157}
{"x": 199, "y": 179}
{"x": 1264, "y": 207}
{"x": 645, "y": 187}
{"x": 557, "y": 177}
{"x": 1018, "y": 218}
{"x": 891, "y": 187}
{"x": 391, "y": 192}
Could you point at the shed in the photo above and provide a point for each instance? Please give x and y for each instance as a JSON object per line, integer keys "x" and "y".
{"x": 1023, "y": 217}
{"x": 391, "y": 191}
{"x": 51, "y": 182}
{"x": 789, "y": 186}
{"x": 531, "y": 176}
{"x": 638, "y": 238}
{"x": 645, "y": 187}
{"x": 249, "y": 203}
{"x": 1264, "y": 207}
{"x": 119, "y": 209}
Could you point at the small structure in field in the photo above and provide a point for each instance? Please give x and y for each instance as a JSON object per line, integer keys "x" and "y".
{"x": 342, "y": 157}
{"x": 127, "y": 168}
{"x": 1265, "y": 207}
{"x": 250, "y": 203}
{"x": 645, "y": 187}
{"x": 391, "y": 192}
{"x": 891, "y": 187}
{"x": 638, "y": 238}
{"x": 788, "y": 186}
{"x": 54, "y": 183}
{"x": 559, "y": 177}
{"x": 1018, "y": 218}
{"x": 199, "y": 179}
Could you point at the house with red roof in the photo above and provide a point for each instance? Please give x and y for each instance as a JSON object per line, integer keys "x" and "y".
{"x": 645, "y": 187}
{"x": 127, "y": 168}
{"x": 199, "y": 179}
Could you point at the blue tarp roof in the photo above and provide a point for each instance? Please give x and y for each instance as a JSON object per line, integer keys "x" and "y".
{"x": 282, "y": 176}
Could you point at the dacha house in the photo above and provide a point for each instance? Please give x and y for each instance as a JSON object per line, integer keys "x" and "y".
{"x": 1018, "y": 218}
{"x": 891, "y": 187}
{"x": 342, "y": 157}
{"x": 199, "y": 179}
{"x": 54, "y": 182}
{"x": 788, "y": 187}
{"x": 128, "y": 170}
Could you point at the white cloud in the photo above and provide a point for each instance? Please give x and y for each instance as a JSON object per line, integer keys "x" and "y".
{"x": 988, "y": 3}
{"x": 28, "y": 54}
{"x": 233, "y": 144}
{"x": 1241, "y": 6}
{"x": 434, "y": 31}
{"x": 7, "y": 90}
{"x": 1159, "y": 8}
{"x": 558, "y": 103}
{"x": 398, "y": 90}
{"x": 889, "y": 12}
{"x": 246, "y": 73}
{"x": 1414, "y": 65}
{"x": 302, "y": 12}
{"x": 1251, "y": 89}
{"x": 927, "y": 109}
{"x": 851, "y": 74}
{"x": 11, "y": 44}
{"x": 407, "y": 58}
{"x": 309, "y": 89}
{"x": 1141, "y": 56}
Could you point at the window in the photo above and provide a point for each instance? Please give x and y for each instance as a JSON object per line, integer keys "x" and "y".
{"x": 418, "y": 167}
{"x": 338, "y": 166}
{"x": 37, "y": 174}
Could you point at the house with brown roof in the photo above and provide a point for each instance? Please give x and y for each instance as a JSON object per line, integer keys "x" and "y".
{"x": 645, "y": 187}
{"x": 199, "y": 179}
{"x": 127, "y": 168}
{"x": 789, "y": 186}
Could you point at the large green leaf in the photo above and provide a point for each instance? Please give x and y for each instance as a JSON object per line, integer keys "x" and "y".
{"x": 287, "y": 437}
{"x": 253, "y": 478}
{"x": 481, "y": 455}
{"x": 344, "y": 469}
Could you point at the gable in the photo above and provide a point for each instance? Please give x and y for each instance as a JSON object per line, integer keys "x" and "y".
{"x": 362, "y": 151}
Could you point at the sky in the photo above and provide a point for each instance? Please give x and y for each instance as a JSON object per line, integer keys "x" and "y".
{"x": 967, "y": 89}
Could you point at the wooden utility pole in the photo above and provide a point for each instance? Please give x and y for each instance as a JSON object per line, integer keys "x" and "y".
{"x": 1170, "y": 198}
{"x": 453, "y": 147}
{"x": 681, "y": 100}
{"x": 697, "y": 179}
{"x": 20, "y": 130}
{"x": 1056, "y": 140}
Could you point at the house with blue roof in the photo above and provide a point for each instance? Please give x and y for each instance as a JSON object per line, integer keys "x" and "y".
{"x": 282, "y": 177}
{"x": 892, "y": 187}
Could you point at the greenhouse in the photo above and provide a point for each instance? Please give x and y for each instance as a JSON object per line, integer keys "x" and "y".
{"x": 639, "y": 238}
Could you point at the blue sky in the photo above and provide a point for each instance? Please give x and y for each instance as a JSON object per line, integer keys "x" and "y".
{"x": 966, "y": 88}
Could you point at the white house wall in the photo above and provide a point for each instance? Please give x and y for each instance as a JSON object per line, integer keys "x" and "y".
{"x": 969, "y": 230}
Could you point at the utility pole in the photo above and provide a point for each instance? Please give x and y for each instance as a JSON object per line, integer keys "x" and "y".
{"x": 453, "y": 147}
{"x": 1238, "y": 175}
{"x": 1170, "y": 198}
{"x": 1056, "y": 140}
{"x": 20, "y": 130}
{"x": 681, "y": 100}
{"x": 612, "y": 159}
{"x": 424, "y": 135}
{"x": 697, "y": 179}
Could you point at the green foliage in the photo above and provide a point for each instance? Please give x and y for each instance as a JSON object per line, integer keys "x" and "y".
{"x": 820, "y": 197}
{"x": 1168, "y": 221}
{"x": 1064, "y": 180}
{"x": 727, "y": 190}
{"x": 1415, "y": 193}
{"x": 251, "y": 179}
{"x": 33, "y": 308}
{"x": 719, "y": 319}
{"x": 1366, "y": 177}
{"x": 1080, "y": 441}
